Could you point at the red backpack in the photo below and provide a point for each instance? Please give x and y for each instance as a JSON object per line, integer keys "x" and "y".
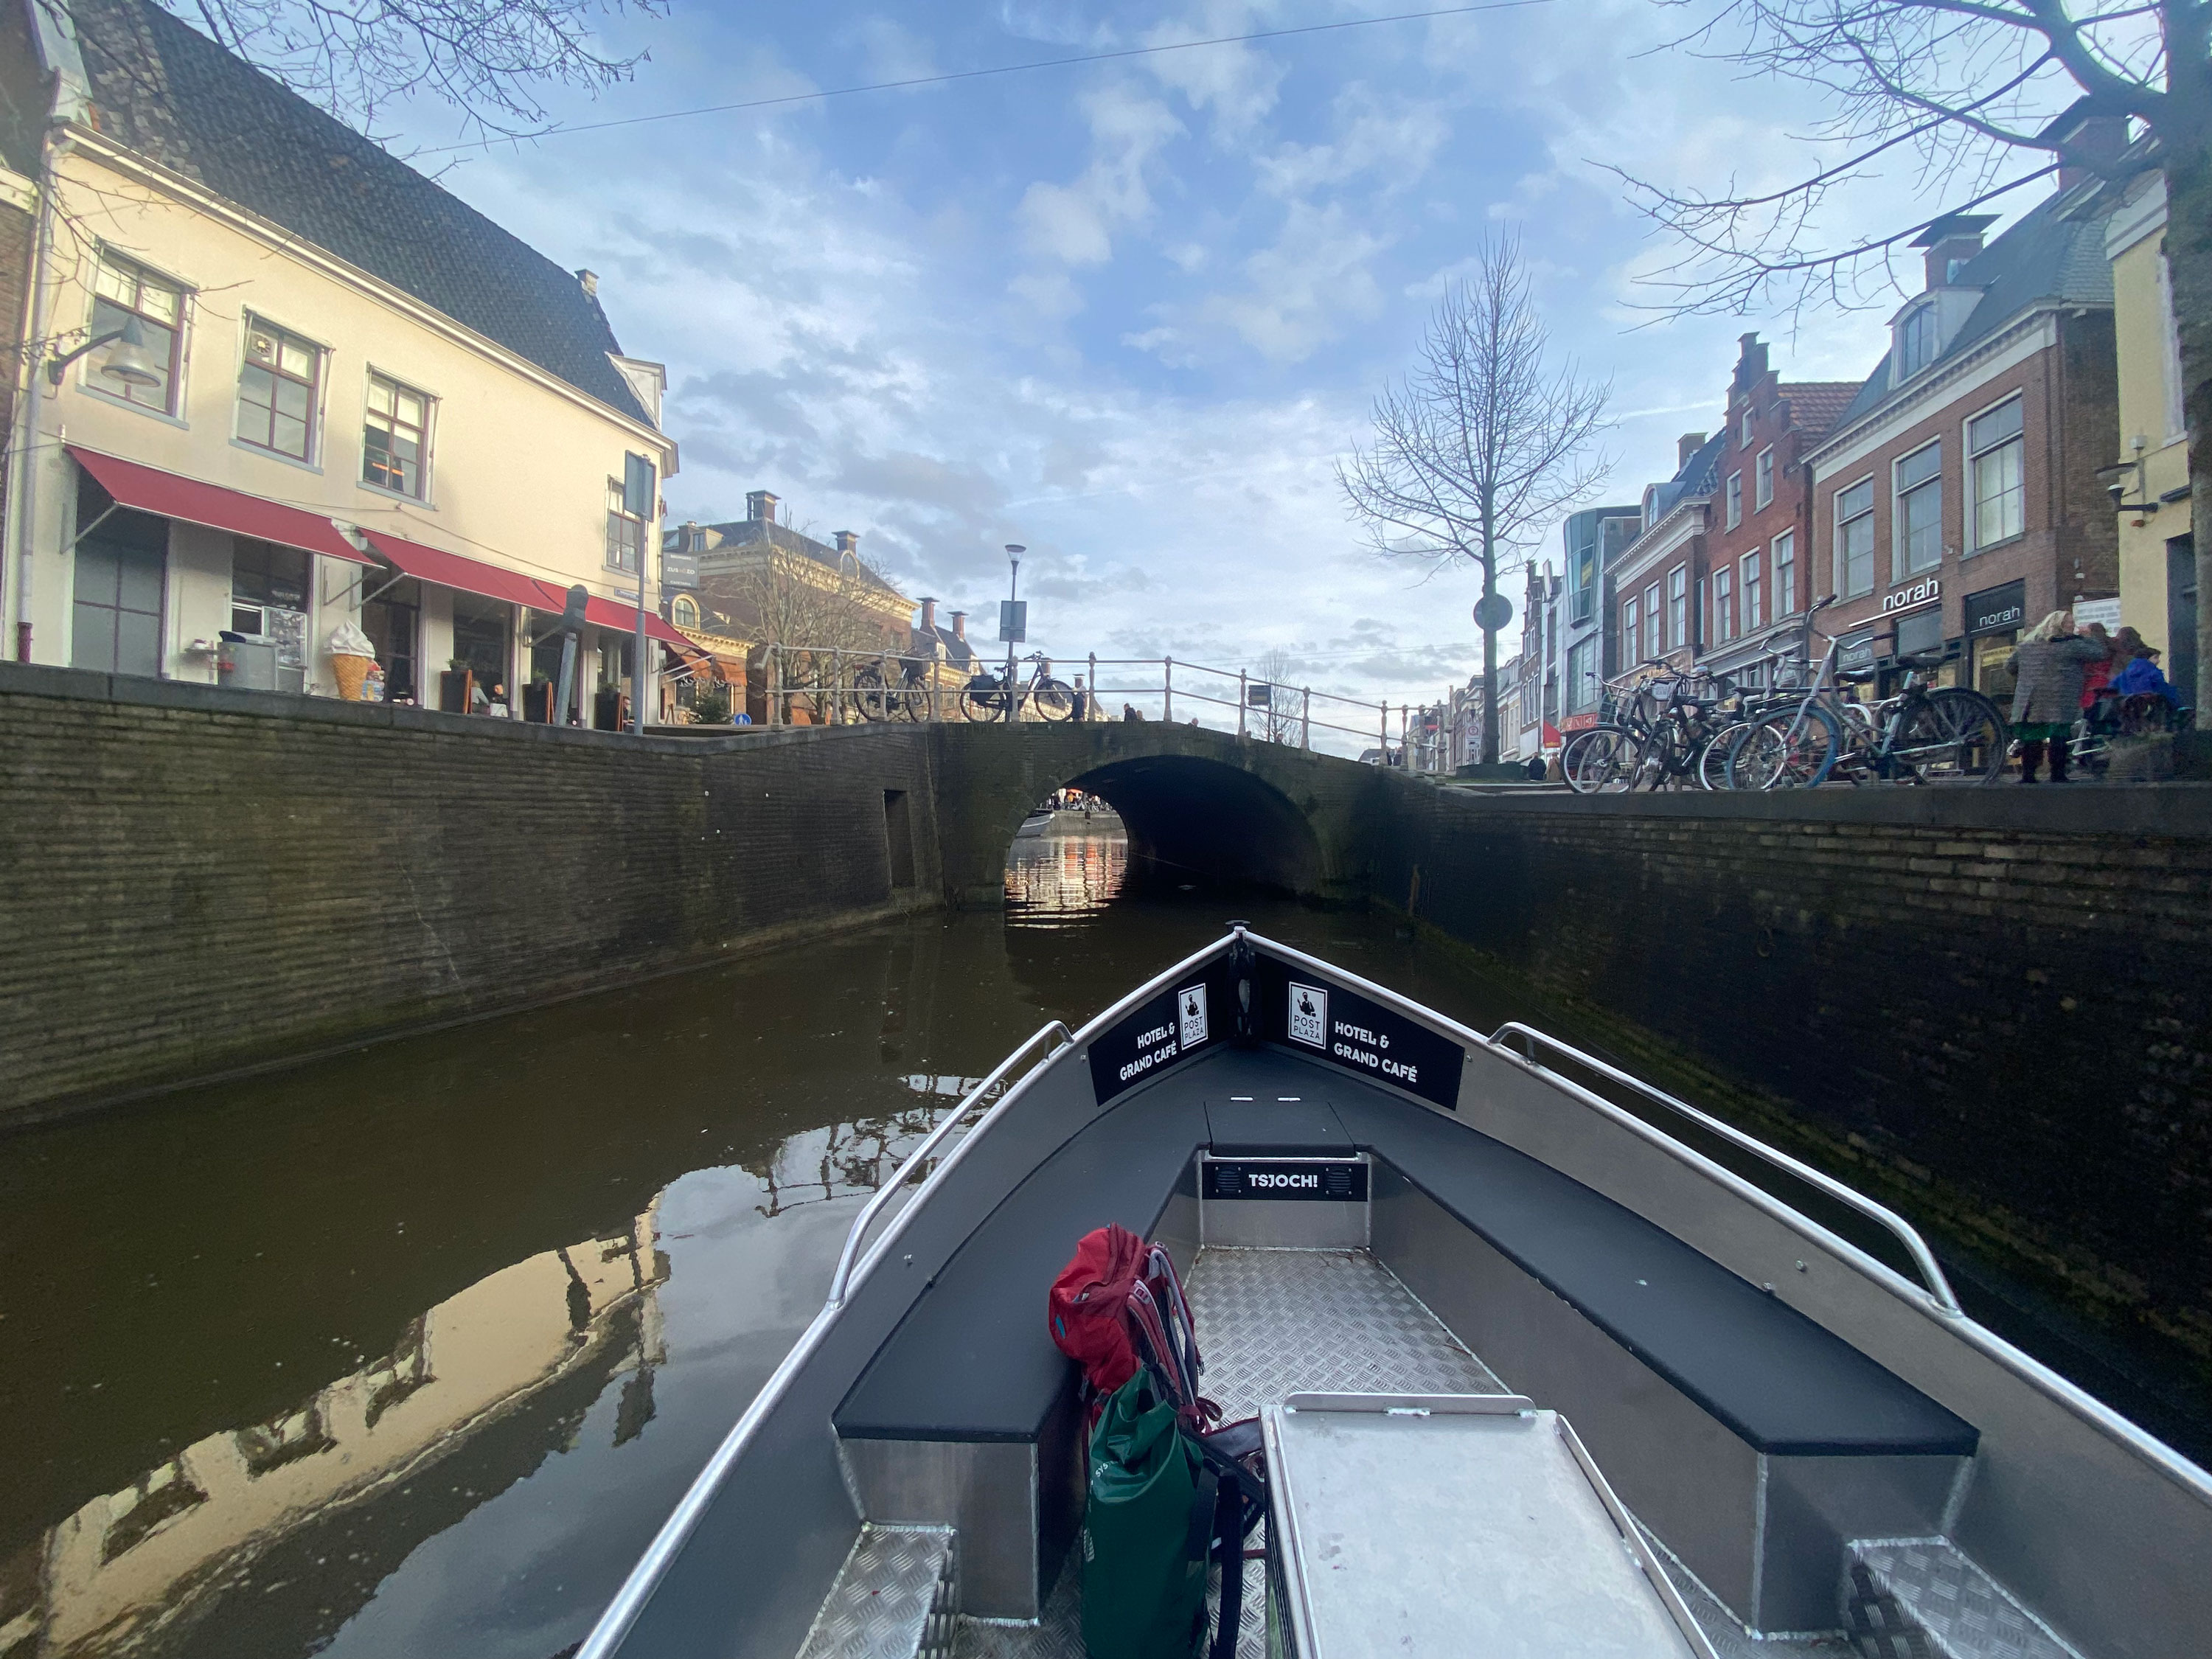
{"x": 1119, "y": 1305}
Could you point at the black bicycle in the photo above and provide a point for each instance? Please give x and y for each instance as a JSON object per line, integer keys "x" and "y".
{"x": 987, "y": 698}
{"x": 891, "y": 688}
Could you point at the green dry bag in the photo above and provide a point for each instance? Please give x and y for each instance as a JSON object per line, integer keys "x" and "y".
{"x": 1144, "y": 1580}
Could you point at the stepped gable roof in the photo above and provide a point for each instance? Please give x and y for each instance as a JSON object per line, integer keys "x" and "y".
{"x": 162, "y": 88}
{"x": 1816, "y": 405}
{"x": 2044, "y": 259}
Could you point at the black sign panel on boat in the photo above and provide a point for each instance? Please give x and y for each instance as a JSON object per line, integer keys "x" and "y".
{"x": 1307, "y": 1015}
{"x": 1336, "y": 1180}
{"x": 1192, "y": 1019}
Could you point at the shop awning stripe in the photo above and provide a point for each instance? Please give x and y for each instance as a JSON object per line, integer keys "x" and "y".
{"x": 148, "y": 490}
{"x": 444, "y": 569}
{"x": 612, "y": 615}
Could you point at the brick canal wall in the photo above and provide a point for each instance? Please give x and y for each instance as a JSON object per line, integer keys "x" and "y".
{"x": 1992, "y": 1006}
{"x": 192, "y": 881}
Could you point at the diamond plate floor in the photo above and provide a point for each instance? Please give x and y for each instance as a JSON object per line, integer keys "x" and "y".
{"x": 1271, "y": 1323}
{"x": 1914, "y": 1595}
{"x": 892, "y": 1599}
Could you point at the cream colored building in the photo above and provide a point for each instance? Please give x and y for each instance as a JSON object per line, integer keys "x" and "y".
{"x": 344, "y": 396}
{"x": 2158, "y": 573}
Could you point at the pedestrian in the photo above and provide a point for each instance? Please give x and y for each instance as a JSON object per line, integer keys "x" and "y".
{"x": 2095, "y": 674}
{"x": 1129, "y": 712}
{"x": 2141, "y": 675}
{"x": 2046, "y": 697}
{"x": 1082, "y": 700}
{"x": 2127, "y": 646}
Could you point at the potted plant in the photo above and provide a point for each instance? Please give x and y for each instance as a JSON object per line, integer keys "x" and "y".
{"x": 456, "y": 686}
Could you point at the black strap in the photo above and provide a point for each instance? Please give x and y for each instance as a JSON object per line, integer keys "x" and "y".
{"x": 1228, "y": 1528}
{"x": 1204, "y": 1504}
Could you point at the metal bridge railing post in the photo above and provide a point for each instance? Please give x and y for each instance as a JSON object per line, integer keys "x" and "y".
{"x": 1305, "y": 720}
{"x": 772, "y": 677}
{"x": 1243, "y": 701}
{"x": 836, "y": 686}
{"x": 1167, "y": 709}
{"x": 1090, "y": 691}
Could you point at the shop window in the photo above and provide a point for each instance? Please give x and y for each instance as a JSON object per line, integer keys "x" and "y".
{"x": 1992, "y": 677}
{"x": 268, "y": 601}
{"x": 123, "y": 289}
{"x": 1735, "y": 499}
{"x": 1786, "y": 575}
{"x": 278, "y": 390}
{"x": 116, "y": 616}
{"x": 395, "y": 444}
{"x": 1996, "y": 463}
{"x": 393, "y": 621}
{"x": 1678, "y": 607}
{"x": 1921, "y": 633}
{"x": 1917, "y": 544}
{"x": 625, "y": 530}
{"x": 1855, "y": 539}
{"x": 1723, "y": 606}
{"x": 1754, "y": 611}
{"x": 1763, "y": 490}
{"x": 482, "y": 631}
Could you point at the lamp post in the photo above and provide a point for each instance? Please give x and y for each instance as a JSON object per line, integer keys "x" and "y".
{"x": 1013, "y": 628}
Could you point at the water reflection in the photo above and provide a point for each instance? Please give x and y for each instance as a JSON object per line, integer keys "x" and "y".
{"x": 1064, "y": 875}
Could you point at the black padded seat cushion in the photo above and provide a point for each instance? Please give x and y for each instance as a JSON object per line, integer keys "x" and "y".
{"x": 1779, "y": 1381}
{"x": 972, "y": 1359}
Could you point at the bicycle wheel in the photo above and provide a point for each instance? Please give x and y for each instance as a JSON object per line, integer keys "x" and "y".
{"x": 872, "y": 698}
{"x": 1601, "y": 760}
{"x": 983, "y": 706}
{"x": 1795, "y": 751}
{"x": 1054, "y": 700}
{"x": 1956, "y": 736}
{"x": 1713, "y": 760}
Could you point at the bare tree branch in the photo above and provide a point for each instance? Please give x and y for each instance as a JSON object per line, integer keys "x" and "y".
{"x": 1482, "y": 446}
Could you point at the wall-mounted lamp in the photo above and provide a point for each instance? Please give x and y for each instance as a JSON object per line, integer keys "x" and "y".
{"x": 130, "y": 362}
{"x": 2115, "y": 478}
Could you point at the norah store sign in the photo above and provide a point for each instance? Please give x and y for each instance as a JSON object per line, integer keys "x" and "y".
{"x": 1910, "y": 599}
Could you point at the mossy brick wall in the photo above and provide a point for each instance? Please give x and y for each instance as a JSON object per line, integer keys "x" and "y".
{"x": 192, "y": 881}
{"x": 1992, "y": 1005}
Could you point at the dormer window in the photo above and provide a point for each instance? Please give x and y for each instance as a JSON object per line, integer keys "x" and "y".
{"x": 1916, "y": 341}
{"x": 684, "y": 611}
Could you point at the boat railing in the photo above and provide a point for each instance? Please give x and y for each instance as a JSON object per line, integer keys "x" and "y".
{"x": 848, "y": 1259}
{"x": 1923, "y": 1259}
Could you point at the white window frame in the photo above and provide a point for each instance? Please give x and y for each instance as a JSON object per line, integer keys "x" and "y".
{"x": 1735, "y": 499}
{"x": 1678, "y": 606}
{"x": 1723, "y": 604}
{"x": 318, "y": 423}
{"x": 1631, "y": 626}
{"x": 1762, "y": 493}
{"x": 1904, "y": 325}
{"x": 1844, "y": 591}
{"x": 1971, "y": 506}
{"x": 88, "y": 377}
{"x": 1784, "y": 585}
{"x": 1899, "y": 552}
{"x": 1654, "y": 624}
{"x": 1745, "y": 432}
{"x": 1748, "y": 585}
{"x": 616, "y": 511}
{"x": 430, "y": 414}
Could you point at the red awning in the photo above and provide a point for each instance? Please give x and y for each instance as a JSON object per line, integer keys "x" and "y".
{"x": 613, "y": 615}
{"x": 490, "y": 581}
{"x": 148, "y": 490}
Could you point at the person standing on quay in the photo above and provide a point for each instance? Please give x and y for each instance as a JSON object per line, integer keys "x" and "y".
{"x": 2050, "y": 661}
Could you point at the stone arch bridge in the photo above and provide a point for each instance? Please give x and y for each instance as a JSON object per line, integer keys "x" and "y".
{"x": 1220, "y": 806}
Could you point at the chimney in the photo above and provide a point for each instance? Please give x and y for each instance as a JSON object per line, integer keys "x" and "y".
{"x": 1950, "y": 241}
{"x": 1687, "y": 446}
{"x": 848, "y": 542}
{"x": 960, "y": 624}
{"x": 590, "y": 279}
{"x": 2090, "y": 137}
{"x": 760, "y": 505}
{"x": 1751, "y": 361}
{"x": 929, "y": 616}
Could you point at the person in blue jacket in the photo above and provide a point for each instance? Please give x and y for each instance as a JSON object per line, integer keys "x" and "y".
{"x": 2143, "y": 675}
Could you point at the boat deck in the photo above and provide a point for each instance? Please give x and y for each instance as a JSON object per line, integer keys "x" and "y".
{"x": 1276, "y": 1323}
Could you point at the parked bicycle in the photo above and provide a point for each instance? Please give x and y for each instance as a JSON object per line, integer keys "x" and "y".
{"x": 1924, "y": 734}
{"x": 892, "y": 689}
{"x": 986, "y": 697}
{"x": 1656, "y": 739}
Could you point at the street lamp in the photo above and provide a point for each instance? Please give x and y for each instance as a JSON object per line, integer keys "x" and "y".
{"x": 130, "y": 362}
{"x": 1012, "y": 626}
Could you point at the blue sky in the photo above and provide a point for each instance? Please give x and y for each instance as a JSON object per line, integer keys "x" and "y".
{"x": 1129, "y": 313}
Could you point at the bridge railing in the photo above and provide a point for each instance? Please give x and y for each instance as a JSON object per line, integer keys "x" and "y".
{"x": 837, "y": 685}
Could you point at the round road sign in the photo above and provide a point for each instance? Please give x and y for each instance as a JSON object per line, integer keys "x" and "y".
{"x": 1494, "y": 612}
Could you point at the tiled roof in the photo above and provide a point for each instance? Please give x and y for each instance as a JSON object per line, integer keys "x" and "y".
{"x": 2043, "y": 259}
{"x": 752, "y": 532}
{"x": 1816, "y": 405}
{"x": 169, "y": 93}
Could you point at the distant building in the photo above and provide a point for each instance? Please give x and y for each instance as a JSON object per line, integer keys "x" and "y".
{"x": 777, "y": 584}
{"x": 1762, "y": 539}
{"x": 1657, "y": 579}
{"x": 1586, "y": 651}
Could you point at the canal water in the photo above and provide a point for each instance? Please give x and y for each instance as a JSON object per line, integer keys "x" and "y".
{"x": 408, "y": 1352}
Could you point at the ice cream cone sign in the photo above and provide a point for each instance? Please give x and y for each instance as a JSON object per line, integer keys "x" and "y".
{"x": 352, "y": 655}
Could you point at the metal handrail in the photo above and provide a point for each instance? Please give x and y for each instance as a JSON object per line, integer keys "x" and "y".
{"x": 1931, "y": 1274}
{"x": 848, "y": 1258}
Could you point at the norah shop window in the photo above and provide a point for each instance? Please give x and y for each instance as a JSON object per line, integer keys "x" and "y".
{"x": 121, "y": 290}
{"x": 395, "y": 442}
{"x": 1917, "y": 544}
{"x": 1997, "y": 467}
{"x": 1855, "y": 539}
{"x": 625, "y": 530}
{"x": 278, "y": 390}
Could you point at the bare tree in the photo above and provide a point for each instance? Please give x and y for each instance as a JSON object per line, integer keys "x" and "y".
{"x": 1280, "y": 717}
{"x": 1948, "y": 105}
{"x": 485, "y": 57}
{"x": 819, "y": 617}
{"x": 1480, "y": 448}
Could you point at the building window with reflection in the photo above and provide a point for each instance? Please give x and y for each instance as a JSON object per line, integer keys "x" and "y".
{"x": 1917, "y": 544}
{"x": 121, "y": 290}
{"x": 1996, "y": 463}
{"x": 1855, "y": 539}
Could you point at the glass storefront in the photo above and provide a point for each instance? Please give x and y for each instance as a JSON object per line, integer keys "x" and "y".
{"x": 1994, "y": 618}
{"x": 392, "y": 620}
{"x": 483, "y": 639}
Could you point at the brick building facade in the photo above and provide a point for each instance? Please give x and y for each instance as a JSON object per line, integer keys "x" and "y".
{"x": 1956, "y": 501}
{"x": 1660, "y": 578}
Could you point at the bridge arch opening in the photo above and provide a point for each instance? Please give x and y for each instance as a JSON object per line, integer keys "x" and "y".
{"x": 1189, "y": 818}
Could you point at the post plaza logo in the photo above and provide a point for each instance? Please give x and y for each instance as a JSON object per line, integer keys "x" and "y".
{"x": 1310, "y": 1016}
